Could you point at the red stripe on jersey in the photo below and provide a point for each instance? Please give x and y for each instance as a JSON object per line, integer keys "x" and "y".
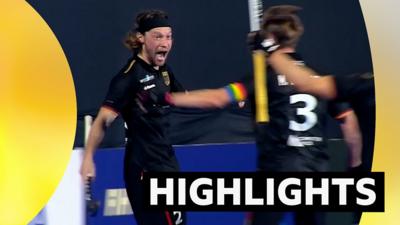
{"x": 168, "y": 216}
{"x": 343, "y": 114}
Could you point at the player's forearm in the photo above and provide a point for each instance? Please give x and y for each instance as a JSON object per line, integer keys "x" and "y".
{"x": 354, "y": 143}
{"x": 302, "y": 77}
{"x": 355, "y": 152}
{"x": 103, "y": 120}
{"x": 96, "y": 136}
{"x": 353, "y": 138}
{"x": 207, "y": 98}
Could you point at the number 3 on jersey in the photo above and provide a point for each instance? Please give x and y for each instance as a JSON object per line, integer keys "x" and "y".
{"x": 307, "y": 111}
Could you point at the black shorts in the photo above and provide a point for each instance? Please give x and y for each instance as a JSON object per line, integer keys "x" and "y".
{"x": 134, "y": 188}
{"x": 292, "y": 160}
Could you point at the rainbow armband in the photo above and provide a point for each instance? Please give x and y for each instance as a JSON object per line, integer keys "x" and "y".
{"x": 236, "y": 91}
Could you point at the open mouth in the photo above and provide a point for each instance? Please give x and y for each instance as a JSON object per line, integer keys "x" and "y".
{"x": 161, "y": 55}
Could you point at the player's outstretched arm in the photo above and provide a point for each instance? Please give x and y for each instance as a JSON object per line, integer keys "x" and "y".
{"x": 209, "y": 98}
{"x": 206, "y": 98}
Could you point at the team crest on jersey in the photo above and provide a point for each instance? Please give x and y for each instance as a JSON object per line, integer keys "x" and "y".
{"x": 165, "y": 75}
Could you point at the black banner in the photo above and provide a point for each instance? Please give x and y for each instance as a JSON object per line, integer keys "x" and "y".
{"x": 265, "y": 191}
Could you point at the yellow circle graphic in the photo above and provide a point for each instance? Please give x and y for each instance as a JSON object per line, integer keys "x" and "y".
{"x": 383, "y": 22}
{"x": 38, "y": 112}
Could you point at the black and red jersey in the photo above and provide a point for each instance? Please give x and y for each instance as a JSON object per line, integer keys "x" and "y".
{"x": 137, "y": 94}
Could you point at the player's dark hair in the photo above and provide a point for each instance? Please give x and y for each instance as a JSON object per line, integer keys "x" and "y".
{"x": 141, "y": 25}
{"x": 283, "y": 23}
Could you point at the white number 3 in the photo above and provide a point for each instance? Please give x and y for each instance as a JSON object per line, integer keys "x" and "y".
{"x": 310, "y": 117}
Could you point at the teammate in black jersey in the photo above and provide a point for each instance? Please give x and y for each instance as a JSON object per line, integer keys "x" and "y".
{"x": 137, "y": 94}
{"x": 357, "y": 89}
{"x": 293, "y": 139}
